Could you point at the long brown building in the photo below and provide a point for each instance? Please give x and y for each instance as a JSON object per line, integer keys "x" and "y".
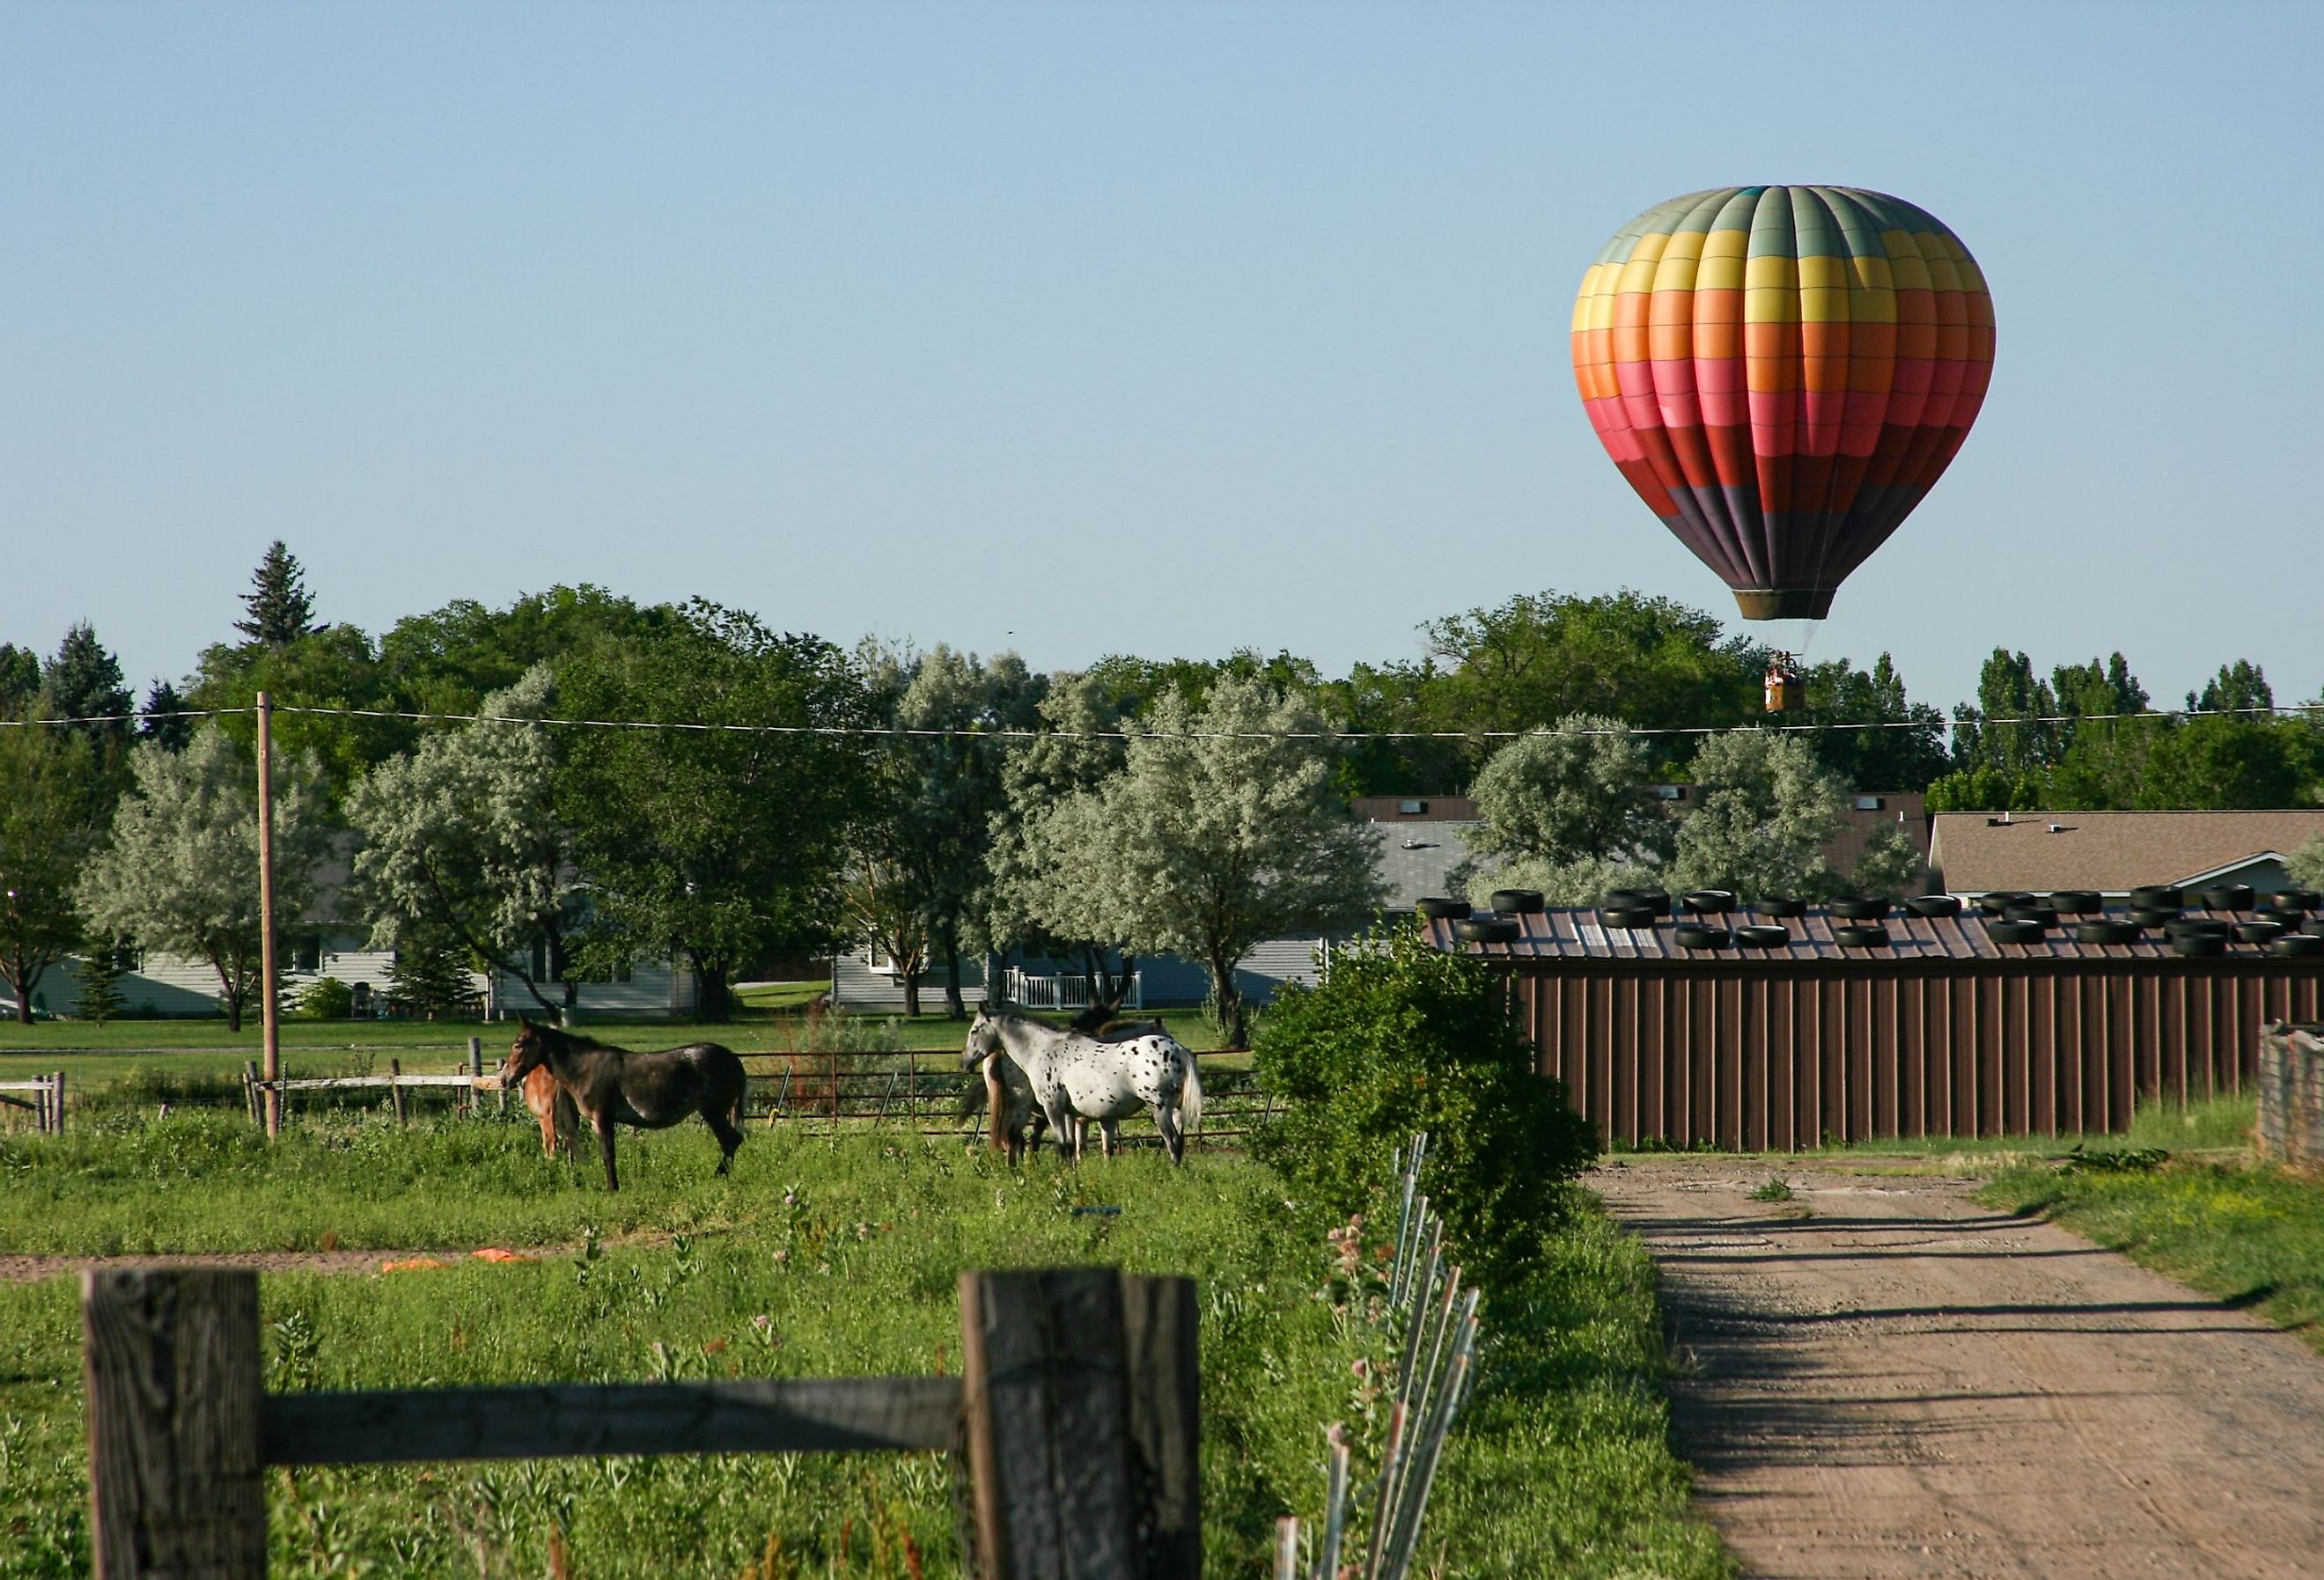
{"x": 1945, "y": 1032}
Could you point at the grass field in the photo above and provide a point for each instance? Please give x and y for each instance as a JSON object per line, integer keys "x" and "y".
{"x": 820, "y": 1256}
{"x": 2250, "y": 1234}
{"x": 2219, "y": 1125}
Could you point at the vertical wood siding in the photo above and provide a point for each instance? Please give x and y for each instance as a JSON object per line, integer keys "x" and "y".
{"x": 1784, "y": 1059}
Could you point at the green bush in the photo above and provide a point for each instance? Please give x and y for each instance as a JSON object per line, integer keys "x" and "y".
{"x": 1411, "y": 1039}
{"x": 326, "y": 998}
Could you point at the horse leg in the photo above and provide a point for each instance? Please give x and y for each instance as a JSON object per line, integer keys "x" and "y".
{"x": 604, "y": 1122}
{"x": 1111, "y": 1131}
{"x": 1067, "y": 1124}
{"x": 730, "y": 1139}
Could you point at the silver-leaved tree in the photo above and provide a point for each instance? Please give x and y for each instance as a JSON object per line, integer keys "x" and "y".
{"x": 1222, "y": 828}
{"x": 180, "y": 872}
{"x": 1765, "y": 808}
{"x": 461, "y": 839}
{"x": 1569, "y": 812}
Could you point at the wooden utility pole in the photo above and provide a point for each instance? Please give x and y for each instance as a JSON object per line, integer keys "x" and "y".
{"x": 269, "y": 1022}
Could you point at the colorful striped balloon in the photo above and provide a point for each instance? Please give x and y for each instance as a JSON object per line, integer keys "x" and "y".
{"x": 1782, "y": 373}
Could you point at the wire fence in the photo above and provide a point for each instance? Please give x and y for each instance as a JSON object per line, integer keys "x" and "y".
{"x": 920, "y": 1091}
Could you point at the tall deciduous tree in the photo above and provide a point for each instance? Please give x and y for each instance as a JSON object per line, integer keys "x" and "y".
{"x": 1648, "y": 661}
{"x": 1569, "y": 812}
{"x": 1079, "y": 748}
{"x": 49, "y": 818}
{"x": 180, "y": 872}
{"x": 280, "y": 609}
{"x": 1904, "y": 754}
{"x": 1220, "y": 831}
{"x": 717, "y": 847}
{"x": 1764, "y": 807}
{"x": 921, "y": 862}
{"x": 461, "y": 839}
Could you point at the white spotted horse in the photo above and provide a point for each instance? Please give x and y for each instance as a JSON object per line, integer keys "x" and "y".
{"x": 1071, "y": 1076}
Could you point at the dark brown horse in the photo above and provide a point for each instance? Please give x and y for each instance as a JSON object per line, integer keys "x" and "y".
{"x": 652, "y": 1091}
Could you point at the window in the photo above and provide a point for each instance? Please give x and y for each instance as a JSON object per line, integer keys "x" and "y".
{"x": 1670, "y": 792}
{"x": 307, "y": 953}
{"x": 1411, "y": 808}
{"x": 1871, "y": 804}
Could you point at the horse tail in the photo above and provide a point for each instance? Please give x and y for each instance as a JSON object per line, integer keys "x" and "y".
{"x": 1190, "y": 1100}
{"x": 996, "y": 1106}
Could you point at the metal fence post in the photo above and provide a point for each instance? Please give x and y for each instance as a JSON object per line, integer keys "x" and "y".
{"x": 175, "y": 1456}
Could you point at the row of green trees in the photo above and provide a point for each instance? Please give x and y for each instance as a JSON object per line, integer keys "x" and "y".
{"x": 1136, "y": 807}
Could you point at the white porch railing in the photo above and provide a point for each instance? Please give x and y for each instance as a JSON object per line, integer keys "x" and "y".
{"x": 1058, "y": 993}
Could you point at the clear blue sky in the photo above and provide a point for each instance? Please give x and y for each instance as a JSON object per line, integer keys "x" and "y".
{"x": 1082, "y": 328}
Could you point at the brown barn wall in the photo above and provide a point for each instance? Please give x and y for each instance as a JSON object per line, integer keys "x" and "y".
{"x": 1777, "y": 1058}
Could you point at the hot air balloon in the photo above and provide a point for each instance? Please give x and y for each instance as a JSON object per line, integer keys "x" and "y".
{"x": 1782, "y": 373}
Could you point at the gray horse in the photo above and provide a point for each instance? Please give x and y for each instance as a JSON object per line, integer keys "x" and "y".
{"x": 1072, "y": 1077}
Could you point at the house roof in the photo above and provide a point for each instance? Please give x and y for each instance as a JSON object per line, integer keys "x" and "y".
{"x": 1422, "y": 808}
{"x": 1416, "y": 856}
{"x": 1908, "y": 807}
{"x": 1579, "y": 935}
{"x": 2113, "y": 853}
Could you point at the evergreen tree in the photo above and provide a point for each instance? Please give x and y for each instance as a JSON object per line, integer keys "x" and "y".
{"x": 84, "y": 681}
{"x": 430, "y": 972}
{"x": 157, "y": 725}
{"x": 101, "y": 970}
{"x": 20, "y": 679}
{"x": 281, "y": 611}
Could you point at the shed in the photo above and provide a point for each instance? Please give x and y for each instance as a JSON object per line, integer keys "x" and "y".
{"x": 1943, "y": 1033}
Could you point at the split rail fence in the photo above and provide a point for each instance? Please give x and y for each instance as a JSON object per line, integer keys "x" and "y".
{"x": 47, "y": 1101}
{"x": 1074, "y": 1431}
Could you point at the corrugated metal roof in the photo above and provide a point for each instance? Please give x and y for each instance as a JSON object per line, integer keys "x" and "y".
{"x": 1578, "y": 935}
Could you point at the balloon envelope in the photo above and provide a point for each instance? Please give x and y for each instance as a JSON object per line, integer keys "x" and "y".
{"x": 1782, "y": 373}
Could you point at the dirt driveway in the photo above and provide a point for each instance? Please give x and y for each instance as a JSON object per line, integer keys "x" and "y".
{"x": 1891, "y": 1381}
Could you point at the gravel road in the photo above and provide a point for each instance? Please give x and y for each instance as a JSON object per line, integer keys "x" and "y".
{"x": 1888, "y": 1379}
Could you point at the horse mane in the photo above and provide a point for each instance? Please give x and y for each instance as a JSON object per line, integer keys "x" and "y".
{"x": 573, "y": 1041}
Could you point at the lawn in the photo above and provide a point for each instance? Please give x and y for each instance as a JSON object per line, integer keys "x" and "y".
{"x": 820, "y": 1256}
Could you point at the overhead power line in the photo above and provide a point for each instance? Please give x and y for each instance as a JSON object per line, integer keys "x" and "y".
{"x": 1349, "y": 736}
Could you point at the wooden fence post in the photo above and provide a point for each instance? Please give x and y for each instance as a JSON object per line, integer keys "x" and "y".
{"x": 175, "y": 1454}
{"x": 1165, "y": 1388}
{"x": 57, "y": 1119}
{"x": 395, "y": 1087}
{"x": 250, "y": 1090}
{"x": 474, "y": 1069}
{"x": 1080, "y": 1435}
